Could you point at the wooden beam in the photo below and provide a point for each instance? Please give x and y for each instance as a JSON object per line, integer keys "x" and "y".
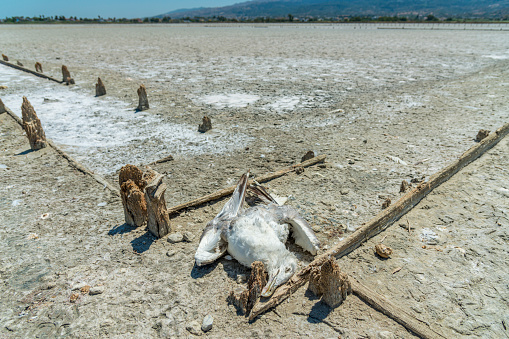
{"x": 381, "y": 304}
{"x": 24, "y": 69}
{"x": 382, "y": 220}
{"x": 227, "y": 191}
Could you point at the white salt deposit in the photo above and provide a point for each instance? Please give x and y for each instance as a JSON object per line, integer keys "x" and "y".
{"x": 284, "y": 104}
{"x": 98, "y": 131}
{"x": 234, "y": 100}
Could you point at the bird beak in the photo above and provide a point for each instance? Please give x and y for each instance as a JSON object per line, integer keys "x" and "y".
{"x": 269, "y": 289}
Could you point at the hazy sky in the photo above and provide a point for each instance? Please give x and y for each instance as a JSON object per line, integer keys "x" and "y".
{"x": 104, "y": 8}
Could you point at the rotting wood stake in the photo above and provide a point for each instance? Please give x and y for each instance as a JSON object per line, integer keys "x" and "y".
{"x": 158, "y": 222}
{"x": 227, "y": 191}
{"x": 381, "y": 221}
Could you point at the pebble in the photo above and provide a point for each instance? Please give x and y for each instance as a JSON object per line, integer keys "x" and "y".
{"x": 316, "y": 229}
{"x": 188, "y": 236}
{"x": 175, "y": 238}
{"x": 345, "y": 191}
{"x": 78, "y": 286}
{"x": 102, "y": 204}
{"x": 207, "y": 323}
{"x": 194, "y": 327}
{"x": 96, "y": 290}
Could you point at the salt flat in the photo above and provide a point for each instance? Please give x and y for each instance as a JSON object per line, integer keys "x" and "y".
{"x": 363, "y": 96}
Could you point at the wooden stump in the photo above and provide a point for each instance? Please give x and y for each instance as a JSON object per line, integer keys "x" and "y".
{"x": 206, "y": 125}
{"x": 38, "y": 67}
{"x": 2, "y": 107}
{"x": 142, "y": 99}
{"x": 158, "y": 221}
{"x": 482, "y": 134}
{"x": 32, "y": 126}
{"x": 132, "y": 188}
{"x": 66, "y": 75}
{"x": 5, "y": 57}
{"x": 307, "y": 156}
{"x": 245, "y": 301}
{"x": 99, "y": 88}
{"x": 330, "y": 283}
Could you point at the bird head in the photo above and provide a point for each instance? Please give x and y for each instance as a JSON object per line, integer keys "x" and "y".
{"x": 279, "y": 273}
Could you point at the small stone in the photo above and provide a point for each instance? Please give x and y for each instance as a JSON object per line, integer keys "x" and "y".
{"x": 74, "y": 297}
{"x": 207, "y": 323}
{"x": 78, "y": 286}
{"x": 316, "y": 229}
{"x": 38, "y": 67}
{"x": 188, "y": 236}
{"x": 85, "y": 289}
{"x": 383, "y": 251}
{"x": 344, "y": 191}
{"x": 3, "y": 87}
{"x": 96, "y": 290}
{"x": 206, "y": 125}
{"x": 5, "y": 57}
{"x": 351, "y": 161}
{"x": 19, "y": 63}
{"x": 175, "y": 238}
{"x": 171, "y": 253}
{"x": 307, "y": 156}
{"x": 241, "y": 278}
{"x": 194, "y": 328}
{"x": 299, "y": 170}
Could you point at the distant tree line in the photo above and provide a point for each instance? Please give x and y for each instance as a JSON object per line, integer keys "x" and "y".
{"x": 288, "y": 18}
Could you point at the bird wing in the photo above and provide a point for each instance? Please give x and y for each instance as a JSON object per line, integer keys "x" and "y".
{"x": 234, "y": 205}
{"x": 212, "y": 244}
{"x": 301, "y": 231}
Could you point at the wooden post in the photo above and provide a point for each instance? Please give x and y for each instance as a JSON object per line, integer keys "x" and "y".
{"x": 206, "y": 125}
{"x": 158, "y": 221}
{"x": 142, "y": 99}
{"x": 99, "y": 88}
{"x": 32, "y": 126}
{"x": 66, "y": 75}
{"x": 133, "y": 196}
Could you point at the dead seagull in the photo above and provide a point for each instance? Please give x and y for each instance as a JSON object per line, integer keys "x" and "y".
{"x": 256, "y": 234}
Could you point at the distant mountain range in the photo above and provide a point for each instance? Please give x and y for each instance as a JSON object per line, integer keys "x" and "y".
{"x": 334, "y": 8}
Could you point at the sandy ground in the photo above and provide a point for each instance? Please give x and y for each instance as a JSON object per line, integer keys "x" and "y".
{"x": 384, "y": 105}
